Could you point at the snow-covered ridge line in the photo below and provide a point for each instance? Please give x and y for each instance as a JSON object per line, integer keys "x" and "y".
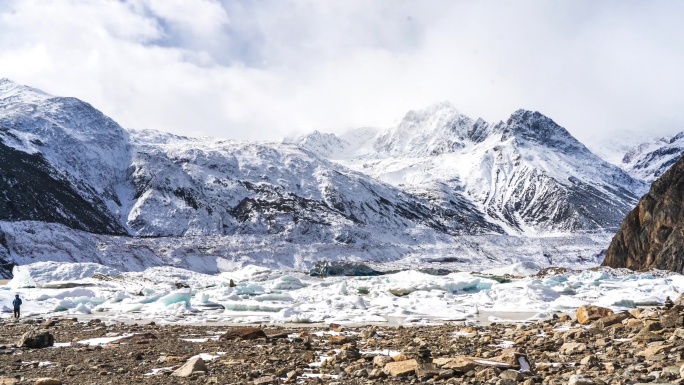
{"x": 527, "y": 174}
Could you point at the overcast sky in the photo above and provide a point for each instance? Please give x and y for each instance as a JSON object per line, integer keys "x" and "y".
{"x": 270, "y": 68}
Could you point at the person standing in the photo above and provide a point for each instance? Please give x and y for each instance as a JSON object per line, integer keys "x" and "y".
{"x": 17, "y": 304}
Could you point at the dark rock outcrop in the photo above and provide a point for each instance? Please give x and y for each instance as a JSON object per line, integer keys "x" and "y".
{"x": 36, "y": 339}
{"x": 652, "y": 235}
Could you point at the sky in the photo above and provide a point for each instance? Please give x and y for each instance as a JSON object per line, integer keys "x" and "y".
{"x": 267, "y": 69}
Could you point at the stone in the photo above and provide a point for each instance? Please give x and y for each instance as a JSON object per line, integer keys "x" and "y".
{"x": 8, "y": 381}
{"x": 652, "y": 325}
{"x": 653, "y": 350}
{"x": 612, "y": 319}
{"x": 49, "y": 323}
{"x": 376, "y": 373}
{"x": 634, "y": 323}
{"x": 589, "y": 360}
{"x": 569, "y": 348}
{"x": 36, "y": 339}
{"x": 381, "y": 361}
{"x": 586, "y": 314}
{"x": 679, "y": 333}
{"x": 444, "y": 374}
{"x": 248, "y": 333}
{"x": 511, "y": 375}
{"x": 510, "y": 356}
{"x": 576, "y": 379}
{"x": 48, "y": 381}
{"x": 401, "y": 368}
{"x": 460, "y": 364}
{"x": 672, "y": 317}
{"x": 195, "y": 364}
{"x": 426, "y": 371}
{"x": 339, "y": 339}
{"x": 400, "y": 357}
{"x": 647, "y": 336}
{"x": 266, "y": 380}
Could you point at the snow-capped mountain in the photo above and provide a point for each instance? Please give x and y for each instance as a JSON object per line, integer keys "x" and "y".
{"x": 526, "y": 174}
{"x": 78, "y": 187}
{"x": 649, "y": 160}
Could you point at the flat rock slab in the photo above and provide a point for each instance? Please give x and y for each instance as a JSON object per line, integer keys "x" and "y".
{"x": 401, "y": 368}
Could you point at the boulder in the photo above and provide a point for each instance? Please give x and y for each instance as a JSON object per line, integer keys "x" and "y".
{"x": 195, "y": 364}
{"x": 249, "y": 333}
{"x": 460, "y": 364}
{"x": 401, "y": 368}
{"x": 586, "y": 314}
{"x": 36, "y": 339}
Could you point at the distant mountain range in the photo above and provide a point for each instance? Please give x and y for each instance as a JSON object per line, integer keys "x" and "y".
{"x": 527, "y": 175}
{"x": 77, "y": 186}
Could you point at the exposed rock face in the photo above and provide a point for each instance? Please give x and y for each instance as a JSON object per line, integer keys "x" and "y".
{"x": 652, "y": 235}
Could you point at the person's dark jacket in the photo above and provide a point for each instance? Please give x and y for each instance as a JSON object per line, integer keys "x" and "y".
{"x": 16, "y": 302}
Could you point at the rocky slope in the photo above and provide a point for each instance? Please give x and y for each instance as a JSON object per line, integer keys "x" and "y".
{"x": 652, "y": 235}
{"x": 527, "y": 174}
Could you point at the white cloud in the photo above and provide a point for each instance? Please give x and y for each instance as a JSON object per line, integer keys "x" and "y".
{"x": 262, "y": 70}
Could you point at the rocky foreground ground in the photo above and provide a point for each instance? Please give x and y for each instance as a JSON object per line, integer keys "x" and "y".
{"x": 595, "y": 347}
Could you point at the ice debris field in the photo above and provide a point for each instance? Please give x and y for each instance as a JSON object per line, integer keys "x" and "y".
{"x": 261, "y": 295}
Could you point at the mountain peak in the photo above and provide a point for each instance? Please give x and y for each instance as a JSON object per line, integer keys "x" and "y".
{"x": 12, "y": 89}
{"x": 537, "y": 127}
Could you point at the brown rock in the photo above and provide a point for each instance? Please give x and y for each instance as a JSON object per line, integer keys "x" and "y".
{"x": 586, "y": 314}
{"x": 653, "y": 350}
{"x": 569, "y": 348}
{"x": 672, "y": 317}
{"x": 652, "y": 235}
{"x": 646, "y": 335}
{"x": 48, "y": 381}
{"x": 339, "y": 339}
{"x": 8, "y": 381}
{"x": 400, "y": 357}
{"x": 401, "y": 368}
{"x": 265, "y": 380}
{"x": 381, "y": 361}
{"x": 195, "y": 364}
{"x": 460, "y": 364}
{"x": 249, "y": 333}
{"x": 612, "y": 319}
